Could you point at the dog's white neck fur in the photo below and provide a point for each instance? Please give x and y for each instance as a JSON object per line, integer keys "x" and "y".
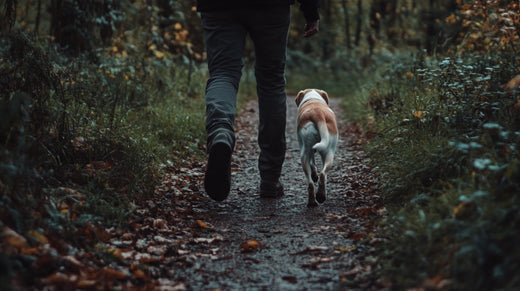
{"x": 312, "y": 95}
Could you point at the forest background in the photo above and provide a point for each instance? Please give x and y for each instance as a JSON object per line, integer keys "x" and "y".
{"x": 98, "y": 98}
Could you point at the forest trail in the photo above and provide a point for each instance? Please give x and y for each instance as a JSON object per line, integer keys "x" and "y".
{"x": 249, "y": 243}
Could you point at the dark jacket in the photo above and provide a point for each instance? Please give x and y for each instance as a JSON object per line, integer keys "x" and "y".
{"x": 308, "y": 7}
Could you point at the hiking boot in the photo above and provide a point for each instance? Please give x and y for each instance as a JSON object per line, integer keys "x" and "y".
{"x": 271, "y": 189}
{"x": 217, "y": 181}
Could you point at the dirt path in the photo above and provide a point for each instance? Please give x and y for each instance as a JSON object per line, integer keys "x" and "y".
{"x": 251, "y": 243}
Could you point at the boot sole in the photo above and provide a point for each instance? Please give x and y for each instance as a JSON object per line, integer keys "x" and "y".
{"x": 217, "y": 181}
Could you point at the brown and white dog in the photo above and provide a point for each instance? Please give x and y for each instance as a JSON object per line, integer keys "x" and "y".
{"x": 317, "y": 132}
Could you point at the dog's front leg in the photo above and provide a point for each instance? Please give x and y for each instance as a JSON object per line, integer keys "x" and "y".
{"x": 312, "y": 197}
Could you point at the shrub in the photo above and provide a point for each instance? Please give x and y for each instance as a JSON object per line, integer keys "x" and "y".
{"x": 447, "y": 146}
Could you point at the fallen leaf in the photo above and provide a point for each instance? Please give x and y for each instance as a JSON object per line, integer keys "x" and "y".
{"x": 142, "y": 256}
{"x": 127, "y": 236}
{"x": 73, "y": 262}
{"x": 85, "y": 284}
{"x": 114, "y": 274}
{"x": 156, "y": 250}
{"x": 346, "y": 249}
{"x": 358, "y": 270}
{"x": 208, "y": 240}
{"x": 250, "y": 245}
{"x": 92, "y": 231}
{"x": 115, "y": 252}
{"x": 60, "y": 278}
{"x": 463, "y": 209}
{"x": 127, "y": 255}
{"x": 13, "y": 238}
{"x": 201, "y": 224}
{"x": 159, "y": 54}
{"x": 513, "y": 84}
{"x": 138, "y": 274}
{"x": 419, "y": 114}
{"x": 437, "y": 283}
{"x": 161, "y": 239}
{"x": 30, "y": 251}
{"x": 170, "y": 286}
{"x": 160, "y": 223}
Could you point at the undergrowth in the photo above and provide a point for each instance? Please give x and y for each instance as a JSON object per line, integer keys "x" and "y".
{"x": 447, "y": 138}
{"x": 81, "y": 140}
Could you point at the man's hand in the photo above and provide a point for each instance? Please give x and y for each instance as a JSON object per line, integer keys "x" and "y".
{"x": 311, "y": 29}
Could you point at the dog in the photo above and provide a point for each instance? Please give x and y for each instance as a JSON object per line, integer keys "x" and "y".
{"x": 317, "y": 132}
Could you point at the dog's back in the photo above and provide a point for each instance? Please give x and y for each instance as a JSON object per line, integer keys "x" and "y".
{"x": 317, "y": 126}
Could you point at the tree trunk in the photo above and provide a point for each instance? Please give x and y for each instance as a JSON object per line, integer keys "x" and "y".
{"x": 347, "y": 24}
{"x": 10, "y": 15}
{"x": 359, "y": 22}
{"x": 38, "y": 13}
{"x": 327, "y": 40}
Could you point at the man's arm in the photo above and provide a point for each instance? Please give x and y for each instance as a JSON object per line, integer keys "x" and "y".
{"x": 311, "y": 29}
{"x": 312, "y": 16}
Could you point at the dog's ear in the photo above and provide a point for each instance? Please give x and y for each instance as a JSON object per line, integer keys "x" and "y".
{"x": 324, "y": 95}
{"x": 299, "y": 97}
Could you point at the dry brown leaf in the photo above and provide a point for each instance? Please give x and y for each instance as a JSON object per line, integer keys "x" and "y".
{"x": 419, "y": 114}
{"x": 115, "y": 252}
{"x": 138, "y": 274}
{"x": 463, "y": 209}
{"x": 436, "y": 283}
{"x": 85, "y": 284}
{"x": 60, "y": 278}
{"x": 13, "y": 238}
{"x": 346, "y": 249}
{"x": 201, "y": 223}
{"x": 250, "y": 245}
{"x": 30, "y": 251}
{"x": 513, "y": 84}
{"x": 160, "y": 223}
{"x": 73, "y": 262}
{"x": 127, "y": 236}
{"x": 114, "y": 274}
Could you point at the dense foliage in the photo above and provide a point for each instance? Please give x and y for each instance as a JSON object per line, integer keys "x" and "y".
{"x": 90, "y": 114}
{"x": 447, "y": 144}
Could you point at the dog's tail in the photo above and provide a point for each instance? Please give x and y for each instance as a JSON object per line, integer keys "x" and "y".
{"x": 324, "y": 135}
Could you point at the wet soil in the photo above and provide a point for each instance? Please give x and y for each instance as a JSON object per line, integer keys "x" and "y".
{"x": 252, "y": 243}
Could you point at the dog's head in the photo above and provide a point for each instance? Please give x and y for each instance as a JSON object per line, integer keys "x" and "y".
{"x": 302, "y": 94}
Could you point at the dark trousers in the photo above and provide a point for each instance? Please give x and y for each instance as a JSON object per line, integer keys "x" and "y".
{"x": 225, "y": 34}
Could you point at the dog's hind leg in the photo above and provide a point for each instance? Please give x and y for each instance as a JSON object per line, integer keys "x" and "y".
{"x": 307, "y": 169}
{"x": 321, "y": 195}
{"x": 314, "y": 169}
